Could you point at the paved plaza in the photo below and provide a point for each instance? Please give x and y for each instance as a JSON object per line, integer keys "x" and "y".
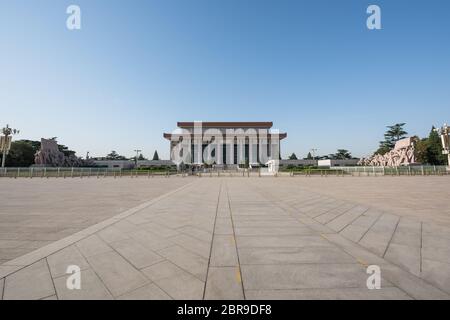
{"x": 225, "y": 238}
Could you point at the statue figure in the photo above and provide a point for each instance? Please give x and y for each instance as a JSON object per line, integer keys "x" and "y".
{"x": 402, "y": 154}
{"x": 49, "y": 155}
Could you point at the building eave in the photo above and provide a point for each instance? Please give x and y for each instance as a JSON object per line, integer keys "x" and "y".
{"x": 265, "y": 124}
{"x": 168, "y": 136}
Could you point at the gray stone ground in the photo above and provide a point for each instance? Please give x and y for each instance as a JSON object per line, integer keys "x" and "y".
{"x": 239, "y": 238}
{"x": 36, "y": 212}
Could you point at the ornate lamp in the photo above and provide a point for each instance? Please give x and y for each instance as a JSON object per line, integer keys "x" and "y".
{"x": 445, "y": 139}
{"x": 5, "y": 142}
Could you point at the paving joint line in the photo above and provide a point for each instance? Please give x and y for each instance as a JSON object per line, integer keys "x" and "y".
{"x": 392, "y": 237}
{"x": 356, "y": 205}
{"x": 235, "y": 242}
{"x": 339, "y": 214}
{"x": 421, "y": 246}
{"x": 53, "y": 282}
{"x": 212, "y": 240}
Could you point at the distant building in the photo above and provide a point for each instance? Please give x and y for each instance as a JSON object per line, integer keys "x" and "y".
{"x": 155, "y": 163}
{"x": 131, "y": 164}
{"x": 298, "y": 163}
{"x": 224, "y": 143}
{"x": 337, "y": 163}
{"x": 114, "y": 164}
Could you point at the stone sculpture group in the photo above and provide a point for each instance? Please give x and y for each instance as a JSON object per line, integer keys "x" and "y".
{"x": 401, "y": 155}
{"x": 50, "y": 156}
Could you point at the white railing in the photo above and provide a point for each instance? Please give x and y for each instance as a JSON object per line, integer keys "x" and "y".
{"x": 52, "y": 172}
{"x": 395, "y": 171}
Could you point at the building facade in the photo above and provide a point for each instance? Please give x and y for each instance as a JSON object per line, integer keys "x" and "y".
{"x": 224, "y": 143}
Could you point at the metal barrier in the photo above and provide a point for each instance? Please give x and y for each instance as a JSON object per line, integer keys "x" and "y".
{"x": 395, "y": 171}
{"x": 46, "y": 172}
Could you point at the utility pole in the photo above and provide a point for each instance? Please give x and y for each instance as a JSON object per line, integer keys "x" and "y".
{"x": 137, "y": 154}
{"x": 5, "y": 142}
{"x": 314, "y": 153}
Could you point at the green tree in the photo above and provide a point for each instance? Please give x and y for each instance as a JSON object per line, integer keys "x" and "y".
{"x": 293, "y": 157}
{"x": 393, "y": 134}
{"x": 155, "y": 156}
{"x": 36, "y": 145}
{"x": 341, "y": 154}
{"x": 435, "y": 155}
{"x": 421, "y": 150}
{"x": 309, "y": 156}
{"x": 115, "y": 156}
{"x": 64, "y": 149}
{"x": 429, "y": 150}
{"x": 21, "y": 154}
{"x": 141, "y": 157}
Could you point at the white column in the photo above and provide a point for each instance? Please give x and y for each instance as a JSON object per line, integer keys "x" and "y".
{"x": 253, "y": 149}
{"x": 229, "y": 140}
{"x": 198, "y": 152}
{"x": 241, "y": 149}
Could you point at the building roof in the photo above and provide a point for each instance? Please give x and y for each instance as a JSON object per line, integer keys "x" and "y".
{"x": 281, "y": 136}
{"x": 227, "y": 124}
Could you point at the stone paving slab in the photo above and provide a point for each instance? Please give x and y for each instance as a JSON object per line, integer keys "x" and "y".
{"x": 223, "y": 253}
{"x": 407, "y": 257}
{"x": 358, "y": 228}
{"x": 192, "y": 244}
{"x": 136, "y": 254}
{"x": 118, "y": 275}
{"x": 436, "y": 273}
{"x": 334, "y": 213}
{"x": 388, "y": 293}
{"x": 197, "y": 233}
{"x": 31, "y": 283}
{"x": 150, "y": 240}
{"x": 292, "y": 241}
{"x": 59, "y": 261}
{"x": 92, "y": 246}
{"x": 239, "y": 238}
{"x": 280, "y": 255}
{"x": 303, "y": 276}
{"x": 408, "y": 233}
{"x": 92, "y": 288}
{"x": 148, "y": 292}
{"x": 182, "y": 287}
{"x": 192, "y": 263}
{"x": 273, "y": 231}
{"x": 346, "y": 218}
{"x": 378, "y": 237}
{"x": 224, "y": 283}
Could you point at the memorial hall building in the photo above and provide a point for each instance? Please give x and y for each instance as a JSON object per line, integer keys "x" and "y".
{"x": 224, "y": 143}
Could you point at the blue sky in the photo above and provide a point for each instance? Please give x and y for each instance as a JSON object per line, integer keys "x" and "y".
{"x": 138, "y": 67}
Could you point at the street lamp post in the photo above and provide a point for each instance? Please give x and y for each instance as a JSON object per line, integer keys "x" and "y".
{"x": 5, "y": 142}
{"x": 444, "y": 132}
